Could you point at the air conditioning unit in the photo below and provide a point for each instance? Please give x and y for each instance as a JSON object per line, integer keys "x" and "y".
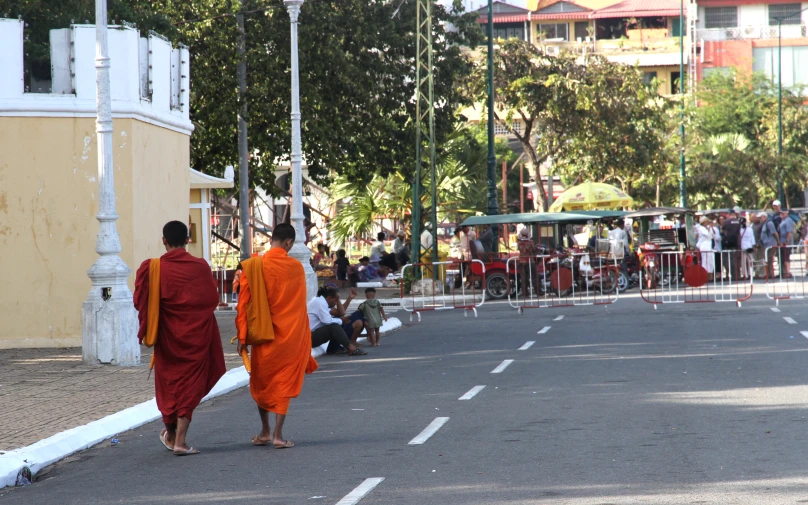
{"x": 553, "y": 50}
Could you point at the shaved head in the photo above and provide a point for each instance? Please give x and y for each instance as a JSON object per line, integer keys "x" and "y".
{"x": 283, "y": 232}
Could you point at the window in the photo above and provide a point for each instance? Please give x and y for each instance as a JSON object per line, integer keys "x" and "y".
{"x": 508, "y": 32}
{"x": 788, "y": 13}
{"x": 721, "y": 17}
{"x": 554, "y": 31}
{"x": 581, "y": 31}
{"x": 648, "y": 77}
{"x": 675, "y": 83}
{"x": 795, "y": 64}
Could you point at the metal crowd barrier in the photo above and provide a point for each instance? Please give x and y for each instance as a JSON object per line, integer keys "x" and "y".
{"x": 562, "y": 280}
{"x": 431, "y": 286}
{"x": 785, "y": 272}
{"x": 696, "y": 277}
{"x": 220, "y": 274}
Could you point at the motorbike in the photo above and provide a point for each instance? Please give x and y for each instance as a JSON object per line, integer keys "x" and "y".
{"x": 565, "y": 275}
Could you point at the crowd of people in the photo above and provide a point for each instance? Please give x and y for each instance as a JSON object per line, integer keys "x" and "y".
{"x": 734, "y": 246}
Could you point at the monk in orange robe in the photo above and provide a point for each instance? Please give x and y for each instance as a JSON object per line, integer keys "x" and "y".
{"x": 278, "y": 365}
{"x": 176, "y": 297}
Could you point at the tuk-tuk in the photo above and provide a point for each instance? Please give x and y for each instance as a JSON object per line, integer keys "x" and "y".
{"x": 551, "y": 231}
{"x": 652, "y": 238}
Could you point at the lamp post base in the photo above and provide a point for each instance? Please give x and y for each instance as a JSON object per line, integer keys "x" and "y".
{"x": 301, "y": 253}
{"x": 108, "y": 316}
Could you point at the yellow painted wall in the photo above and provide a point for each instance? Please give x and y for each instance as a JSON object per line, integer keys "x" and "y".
{"x": 48, "y": 202}
{"x": 195, "y": 248}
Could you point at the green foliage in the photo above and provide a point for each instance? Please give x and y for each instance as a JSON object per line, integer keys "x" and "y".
{"x": 355, "y": 60}
{"x": 461, "y": 184}
{"x": 596, "y": 120}
{"x": 733, "y": 149}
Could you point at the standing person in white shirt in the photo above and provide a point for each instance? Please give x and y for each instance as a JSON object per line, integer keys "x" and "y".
{"x": 325, "y": 327}
{"x": 618, "y": 242}
{"x": 747, "y": 243}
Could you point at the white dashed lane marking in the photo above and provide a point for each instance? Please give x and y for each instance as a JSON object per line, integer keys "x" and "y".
{"x": 430, "y": 430}
{"x": 361, "y": 491}
{"x": 502, "y": 366}
{"x": 775, "y": 309}
{"x": 544, "y": 330}
{"x": 472, "y": 393}
{"x": 559, "y": 318}
{"x": 527, "y": 345}
{"x": 789, "y": 320}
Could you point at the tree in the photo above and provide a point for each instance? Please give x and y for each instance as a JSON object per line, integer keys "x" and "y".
{"x": 733, "y": 152}
{"x": 356, "y": 62}
{"x": 461, "y": 177}
{"x": 595, "y": 119}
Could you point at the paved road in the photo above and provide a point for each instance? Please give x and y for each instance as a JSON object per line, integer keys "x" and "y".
{"x": 614, "y": 405}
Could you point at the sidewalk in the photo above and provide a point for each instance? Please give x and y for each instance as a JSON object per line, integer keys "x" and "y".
{"x": 47, "y": 391}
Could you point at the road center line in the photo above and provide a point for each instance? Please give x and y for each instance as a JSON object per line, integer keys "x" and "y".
{"x": 472, "y": 393}
{"x": 804, "y": 334}
{"x": 430, "y": 430}
{"x": 789, "y": 320}
{"x": 559, "y": 318}
{"x": 361, "y": 491}
{"x": 502, "y": 366}
{"x": 527, "y": 345}
{"x": 775, "y": 309}
{"x": 544, "y": 330}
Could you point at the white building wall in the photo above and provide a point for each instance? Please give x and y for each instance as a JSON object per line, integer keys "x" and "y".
{"x": 73, "y": 76}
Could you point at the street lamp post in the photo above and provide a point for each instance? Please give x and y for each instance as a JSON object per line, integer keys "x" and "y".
{"x": 780, "y": 190}
{"x": 299, "y": 250}
{"x": 682, "y": 186}
{"x": 108, "y": 317}
{"x": 493, "y": 207}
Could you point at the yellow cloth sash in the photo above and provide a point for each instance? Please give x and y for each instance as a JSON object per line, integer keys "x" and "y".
{"x": 259, "y": 320}
{"x": 153, "y": 315}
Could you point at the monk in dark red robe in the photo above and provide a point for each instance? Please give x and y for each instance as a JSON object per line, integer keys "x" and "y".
{"x": 176, "y": 297}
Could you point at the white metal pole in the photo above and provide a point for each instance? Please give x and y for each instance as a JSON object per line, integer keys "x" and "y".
{"x": 299, "y": 251}
{"x": 109, "y": 319}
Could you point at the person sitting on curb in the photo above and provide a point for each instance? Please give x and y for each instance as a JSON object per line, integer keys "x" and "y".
{"x": 324, "y": 327}
{"x": 353, "y": 327}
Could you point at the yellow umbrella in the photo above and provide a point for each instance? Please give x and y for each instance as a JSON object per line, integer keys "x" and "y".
{"x": 591, "y": 196}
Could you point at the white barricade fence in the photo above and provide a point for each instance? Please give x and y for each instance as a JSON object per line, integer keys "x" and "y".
{"x": 220, "y": 274}
{"x": 562, "y": 280}
{"x": 785, "y": 272}
{"x": 444, "y": 285}
{"x": 696, "y": 277}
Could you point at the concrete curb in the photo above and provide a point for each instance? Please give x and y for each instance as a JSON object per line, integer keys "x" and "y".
{"x": 52, "y": 449}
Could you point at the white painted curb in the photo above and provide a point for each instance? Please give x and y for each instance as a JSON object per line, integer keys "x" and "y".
{"x": 52, "y": 449}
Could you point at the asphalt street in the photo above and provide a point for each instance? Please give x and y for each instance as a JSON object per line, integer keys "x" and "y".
{"x": 621, "y": 404}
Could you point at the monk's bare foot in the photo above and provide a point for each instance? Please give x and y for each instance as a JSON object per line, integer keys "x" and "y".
{"x": 283, "y": 444}
{"x": 184, "y": 450}
{"x": 168, "y": 443}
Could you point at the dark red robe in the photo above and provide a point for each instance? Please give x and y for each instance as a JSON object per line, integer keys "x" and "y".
{"x": 188, "y": 354}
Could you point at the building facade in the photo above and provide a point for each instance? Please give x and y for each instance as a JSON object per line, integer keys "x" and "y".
{"x": 49, "y": 170}
{"x": 745, "y": 36}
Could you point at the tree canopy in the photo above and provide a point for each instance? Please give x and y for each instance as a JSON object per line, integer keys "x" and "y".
{"x": 595, "y": 119}
{"x": 357, "y": 60}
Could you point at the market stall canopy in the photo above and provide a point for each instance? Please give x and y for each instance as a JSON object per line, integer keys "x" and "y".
{"x": 591, "y": 196}
{"x": 658, "y": 211}
{"x": 544, "y": 217}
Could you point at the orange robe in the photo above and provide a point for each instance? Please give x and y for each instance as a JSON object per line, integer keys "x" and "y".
{"x": 278, "y": 366}
{"x": 188, "y": 356}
